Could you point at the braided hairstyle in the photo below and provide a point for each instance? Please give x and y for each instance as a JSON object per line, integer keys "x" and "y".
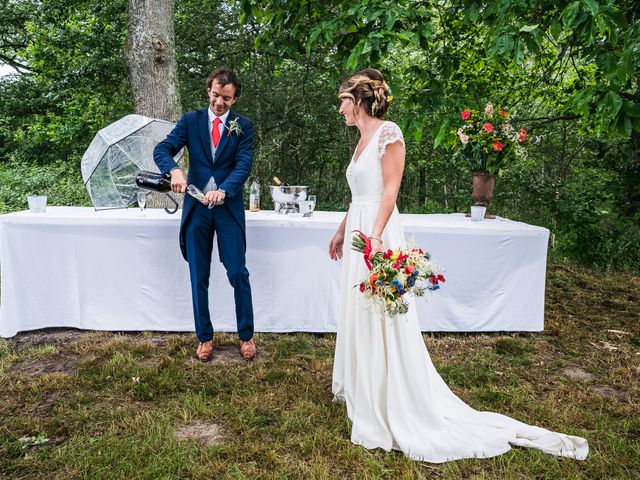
{"x": 369, "y": 89}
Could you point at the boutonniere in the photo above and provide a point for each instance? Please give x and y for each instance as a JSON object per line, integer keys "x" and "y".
{"x": 234, "y": 127}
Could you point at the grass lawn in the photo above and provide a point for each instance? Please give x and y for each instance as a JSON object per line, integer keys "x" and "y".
{"x": 100, "y": 405}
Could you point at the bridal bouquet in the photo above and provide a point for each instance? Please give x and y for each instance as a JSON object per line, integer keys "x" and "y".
{"x": 394, "y": 274}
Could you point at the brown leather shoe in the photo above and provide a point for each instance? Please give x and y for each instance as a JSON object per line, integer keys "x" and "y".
{"x": 204, "y": 351}
{"x": 247, "y": 349}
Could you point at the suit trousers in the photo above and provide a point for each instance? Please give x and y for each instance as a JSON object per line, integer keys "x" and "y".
{"x": 203, "y": 224}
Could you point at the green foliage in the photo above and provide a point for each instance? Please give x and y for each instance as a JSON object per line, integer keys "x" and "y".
{"x": 78, "y": 82}
{"x": 462, "y": 47}
{"x": 60, "y": 181}
{"x": 15, "y": 14}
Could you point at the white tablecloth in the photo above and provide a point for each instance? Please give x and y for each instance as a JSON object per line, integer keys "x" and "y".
{"x": 116, "y": 270}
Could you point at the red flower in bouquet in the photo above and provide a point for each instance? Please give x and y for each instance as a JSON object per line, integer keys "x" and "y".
{"x": 487, "y": 127}
{"x": 466, "y": 114}
{"x": 522, "y": 134}
{"x": 498, "y": 146}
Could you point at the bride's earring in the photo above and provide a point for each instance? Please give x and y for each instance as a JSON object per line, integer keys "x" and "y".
{"x": 374, "y": 107}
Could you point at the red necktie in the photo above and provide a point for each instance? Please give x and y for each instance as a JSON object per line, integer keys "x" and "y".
{"x": 215, "y": 132}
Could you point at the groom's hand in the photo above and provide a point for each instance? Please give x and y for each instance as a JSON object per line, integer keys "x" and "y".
{"x": 214, "y": 196}
{"x": 178, "y": 182}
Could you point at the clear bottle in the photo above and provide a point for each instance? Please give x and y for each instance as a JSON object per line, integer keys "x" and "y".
{"x": 254, "y": 197}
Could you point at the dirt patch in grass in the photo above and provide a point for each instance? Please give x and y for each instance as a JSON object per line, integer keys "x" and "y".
{"x": 207, "y": 434}
{"x": 45, "y": 366}
{"x": 47, "y": 336}
{"x": 576, "y": 373}
{"x": 609, "y": 392}
{"x": 150, "y": 362}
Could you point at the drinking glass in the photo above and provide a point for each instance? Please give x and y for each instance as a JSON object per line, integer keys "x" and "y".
{"x": 312, "y": 202}
{"x": 142, "y": 201}
{"x": 37, "y": 203}
{"x": 477, "y": 213}
{"x": 196, "y": 193}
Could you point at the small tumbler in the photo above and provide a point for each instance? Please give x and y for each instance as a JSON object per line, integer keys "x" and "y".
{"x": 477, "y": 213}
{"x": 37, "y": 203}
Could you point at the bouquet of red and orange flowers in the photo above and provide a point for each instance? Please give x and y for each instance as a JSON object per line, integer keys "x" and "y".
{"x": 489, "y": 140}
{"x": 394, "y": 274}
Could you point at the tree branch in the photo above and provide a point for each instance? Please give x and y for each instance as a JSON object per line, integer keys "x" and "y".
{"x": 12, "y": 62}
{"x": 576, "y": 68}
{"x": 545, "y": 120}
{"x": 545, "y": 75}
{"x": 549, "y": 118}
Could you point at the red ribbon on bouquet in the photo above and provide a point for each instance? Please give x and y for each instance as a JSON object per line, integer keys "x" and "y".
{"x": 367, "y": 248}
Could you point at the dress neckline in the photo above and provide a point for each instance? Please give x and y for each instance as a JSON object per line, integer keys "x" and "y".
{"x": 353, "y": 157}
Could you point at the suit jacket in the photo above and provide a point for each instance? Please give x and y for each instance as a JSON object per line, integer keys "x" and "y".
{"x": 230, "y": 168}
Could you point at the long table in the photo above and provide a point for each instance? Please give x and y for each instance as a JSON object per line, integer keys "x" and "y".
{"x": 118, "y": 270}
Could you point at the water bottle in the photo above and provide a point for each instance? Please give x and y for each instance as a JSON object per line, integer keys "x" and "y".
{"x": 254, "y": 197}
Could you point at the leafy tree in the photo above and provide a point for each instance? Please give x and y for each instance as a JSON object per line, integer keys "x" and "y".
{"x": 13, "y": 38}
{"x": 459, "y": 48}
{"x": 77, "y": 81}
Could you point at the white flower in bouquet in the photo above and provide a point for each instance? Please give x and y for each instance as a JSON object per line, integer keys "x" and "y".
{"x": 488, "y": 110}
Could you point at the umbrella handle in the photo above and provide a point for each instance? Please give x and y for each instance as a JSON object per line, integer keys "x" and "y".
{"x": 175, "y": 209}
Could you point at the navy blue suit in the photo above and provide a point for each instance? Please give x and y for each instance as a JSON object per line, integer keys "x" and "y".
{"x": 230, "y": 169}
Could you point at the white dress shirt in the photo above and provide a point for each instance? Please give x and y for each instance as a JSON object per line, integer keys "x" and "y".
{"x": 211, "y": 184}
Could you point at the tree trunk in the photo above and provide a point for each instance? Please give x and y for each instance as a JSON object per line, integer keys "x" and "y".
{"x": 152, "y": 66}
{"x": 152, "y": 59}
{"x": 422, "y": 183}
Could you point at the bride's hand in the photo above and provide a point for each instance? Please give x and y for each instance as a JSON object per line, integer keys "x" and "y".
{"x": 335, "y": 246}
{"x": 376, "y": 247}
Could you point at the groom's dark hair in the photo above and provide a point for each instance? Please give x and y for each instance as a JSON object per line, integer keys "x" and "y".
{"x": 225, "y": 76}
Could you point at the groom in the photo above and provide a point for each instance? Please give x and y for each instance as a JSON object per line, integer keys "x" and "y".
{"x": 220, "y": 145}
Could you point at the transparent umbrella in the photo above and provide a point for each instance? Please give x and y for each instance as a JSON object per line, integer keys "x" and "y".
{"x": 117, "y": 153}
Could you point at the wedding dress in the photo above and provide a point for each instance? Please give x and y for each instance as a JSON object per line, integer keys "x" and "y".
{"x": 382, "y": 370}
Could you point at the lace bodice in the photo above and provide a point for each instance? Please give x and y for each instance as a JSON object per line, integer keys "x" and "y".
{"x": 364, "y": 174}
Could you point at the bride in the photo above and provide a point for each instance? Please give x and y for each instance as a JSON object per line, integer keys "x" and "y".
{"x": 394, "y": 396}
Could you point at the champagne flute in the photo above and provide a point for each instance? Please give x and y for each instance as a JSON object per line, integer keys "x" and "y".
{"x": 312, "y": 202}
{"x": 142, "y": 201}
{"x": 196, "y": 193}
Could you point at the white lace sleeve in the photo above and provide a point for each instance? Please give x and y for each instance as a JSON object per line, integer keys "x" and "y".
{"x": 389, "y": 134}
